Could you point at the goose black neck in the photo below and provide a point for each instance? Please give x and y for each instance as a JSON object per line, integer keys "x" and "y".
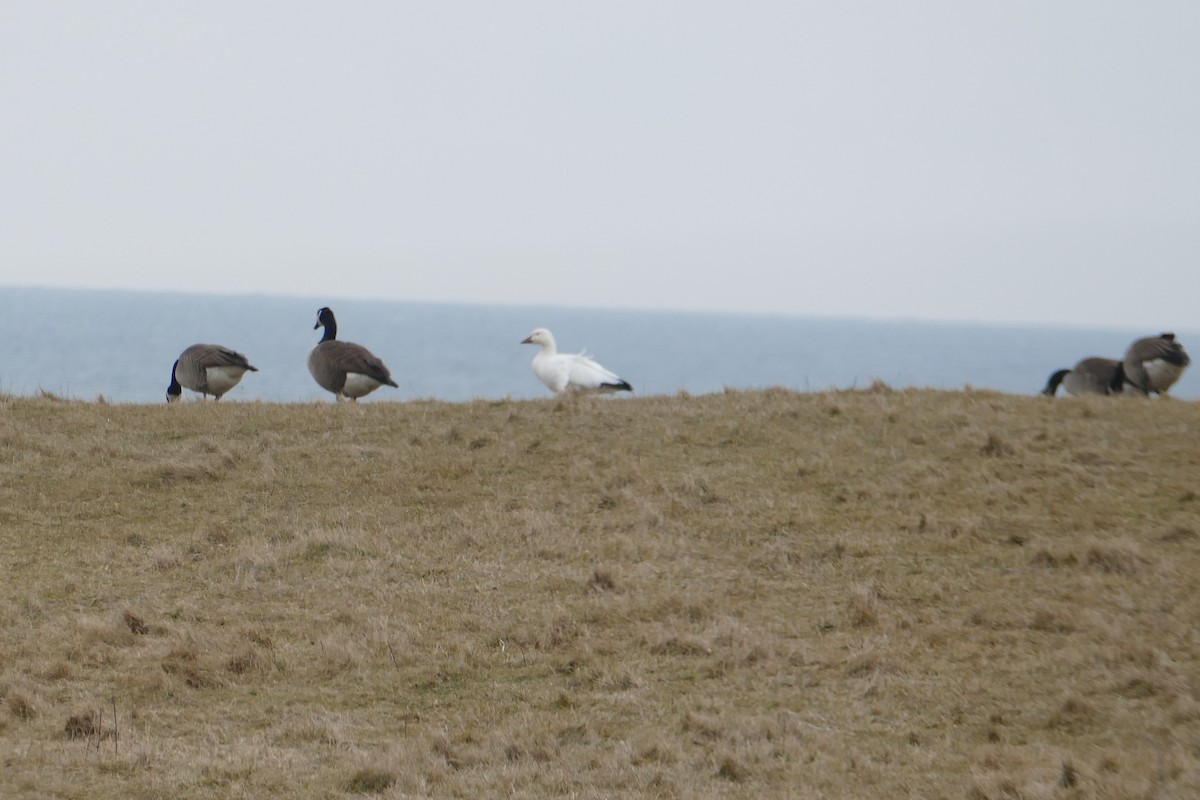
{"x": 1055, "y": 380}
{"x": 1118, "y": 379}
{"x": 326, "y": 320}
{"x": 174, "y": 390}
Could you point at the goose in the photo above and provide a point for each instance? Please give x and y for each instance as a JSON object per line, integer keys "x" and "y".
{"x": 1093, "y": 375}
{"x": 348, "y": 370}
{"x": 565, "y": 372}
{"x": 207, "y": 369}
{"x": 1154, "y": 363}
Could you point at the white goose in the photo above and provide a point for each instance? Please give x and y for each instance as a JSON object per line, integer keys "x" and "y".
{"x": 566, "y": 372}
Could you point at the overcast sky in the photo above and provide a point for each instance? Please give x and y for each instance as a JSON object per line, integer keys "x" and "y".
{"x": 1000, "y": 161}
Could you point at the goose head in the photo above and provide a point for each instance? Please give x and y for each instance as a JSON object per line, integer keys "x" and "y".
{"x": 325, "y": 319}
{"x": 541, "y": 337}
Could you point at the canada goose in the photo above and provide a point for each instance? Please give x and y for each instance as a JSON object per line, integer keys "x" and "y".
{"x": 1154, "y": 363}
{"x": 1090, "y": 376}
{"x": 348, "y": 370}
{"x": 207, "y": 369}
{"x": 564, "y": 372}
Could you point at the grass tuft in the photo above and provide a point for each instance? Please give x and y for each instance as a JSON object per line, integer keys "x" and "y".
{"x": 136, "y": 624}
{"x": 602, "y": 581}
{"x": 996, "y": 447}
{"x": 864, "y": 606}
{"x": 1179, "y": 534}
{"x": 1074, "y": 714}
{"x": 731, "y": 769}
{"x": 1068, "y": 777}
{"x": 371, "y": 780}
{"x": 21, "y": 706}
{"x": 246, "y": 662}
{"x": 1111, "y": 560}
{"x": 82, "y": 726}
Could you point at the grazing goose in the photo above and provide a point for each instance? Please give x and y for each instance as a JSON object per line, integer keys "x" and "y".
{"x": 564, "y": 372}
{"x": 1090, "y": 376}
{"x": 207, "y": 369}
{"x": 348, "y": 370}
{"x": 1154, "y": 363}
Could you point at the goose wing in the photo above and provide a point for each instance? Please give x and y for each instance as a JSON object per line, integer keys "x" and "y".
{"x": 586, "y": 373}
{"x": 214, "y": 355}
{"x": 1163, "y": 349}
{"x": 1160, "y": 347}
{"x": 347, "y": 357}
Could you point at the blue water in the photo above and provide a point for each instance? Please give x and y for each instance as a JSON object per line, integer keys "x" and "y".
{"x": 121, "y": 345}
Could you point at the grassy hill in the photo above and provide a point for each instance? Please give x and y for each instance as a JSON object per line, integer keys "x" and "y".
{"x": 752, "y": 594}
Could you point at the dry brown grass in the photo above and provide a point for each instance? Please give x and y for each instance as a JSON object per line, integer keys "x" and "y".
{"x": 754, "y": 594}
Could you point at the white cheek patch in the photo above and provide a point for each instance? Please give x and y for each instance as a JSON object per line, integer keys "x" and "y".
{"x": 358, "y": 385}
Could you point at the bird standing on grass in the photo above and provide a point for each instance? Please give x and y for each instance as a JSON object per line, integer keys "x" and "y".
{"x": 1093, "y": 375}
{"x": 348, "y": 370}
{"x": 207, "y": 369}
{"x": 566, "y": 372}
{"x": 1154, "y": 363}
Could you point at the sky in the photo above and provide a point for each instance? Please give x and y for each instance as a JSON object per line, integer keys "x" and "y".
{"x": 1013, "y": 162}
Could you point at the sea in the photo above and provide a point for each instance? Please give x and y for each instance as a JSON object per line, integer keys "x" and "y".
{"x": 119, "y": 346}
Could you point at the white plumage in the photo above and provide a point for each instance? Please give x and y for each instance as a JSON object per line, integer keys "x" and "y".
{"x": 566, "y": 372}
